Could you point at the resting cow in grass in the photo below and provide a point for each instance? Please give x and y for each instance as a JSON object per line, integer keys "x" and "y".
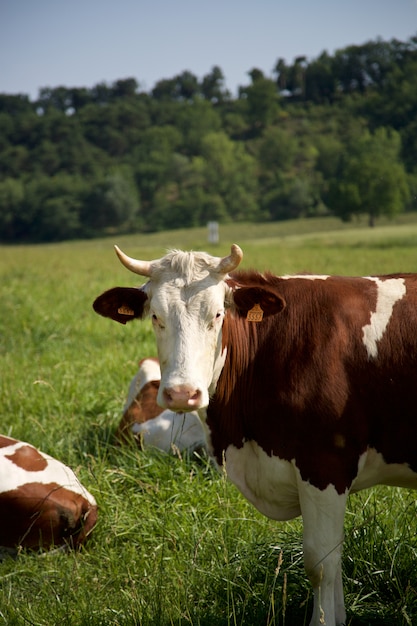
{"x": 151, "y": 425}
{"x": 42, "y": 502}
{"x": 307, "y": 385}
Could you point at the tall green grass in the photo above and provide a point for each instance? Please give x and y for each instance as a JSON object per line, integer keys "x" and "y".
{"x": 175, "y": 542}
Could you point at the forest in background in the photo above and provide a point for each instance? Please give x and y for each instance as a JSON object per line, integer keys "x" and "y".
{"x": 335, "y": 135}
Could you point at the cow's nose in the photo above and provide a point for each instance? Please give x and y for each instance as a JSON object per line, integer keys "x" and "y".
{"x": 182, "y": 398}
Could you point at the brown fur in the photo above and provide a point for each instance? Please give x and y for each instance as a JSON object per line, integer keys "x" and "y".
{"x": 300, "y": 382}
{"x": 142, "y": 409}
{"x": 38, "y": 515}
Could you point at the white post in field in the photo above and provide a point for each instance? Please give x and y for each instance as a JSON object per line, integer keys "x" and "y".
{"x": 213, "y": 232}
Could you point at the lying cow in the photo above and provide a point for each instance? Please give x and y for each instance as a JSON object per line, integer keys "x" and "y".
{"x": 153, "y": 426}
{"x": 42, "y": 503}
{"x": 308, "y": 385}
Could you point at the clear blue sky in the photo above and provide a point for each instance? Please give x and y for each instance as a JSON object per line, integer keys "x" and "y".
{"x": 79, "y": 43}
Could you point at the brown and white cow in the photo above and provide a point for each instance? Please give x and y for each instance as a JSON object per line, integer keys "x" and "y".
{"x": 151, "y": 425}
{"x": 42, "y": 502}
{"x": 307, "y": 385}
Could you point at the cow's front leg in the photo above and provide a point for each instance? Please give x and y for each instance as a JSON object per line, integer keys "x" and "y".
{"x": 323, "y": 514}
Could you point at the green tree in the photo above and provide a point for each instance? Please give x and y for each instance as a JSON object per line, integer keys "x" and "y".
{"x": 330, "y": 151}
{"x": 11, "y": 200}
{"x": 15, "y": 104}
{"x": 80, "y": 97}
{"x": 125, "y": 88}
{"x": 59, "y": 218}
{"x": 277, "y": 149}
{"x": 409, "y": 146}
{"x": 152, "y": 160}
{"x": 14, "y": 161}
{"x": 291, "y": 197}
{"x": 320, "y": 80}
{"x": 372, "y": 179}
{"x": 194, "y": 123}
{"x": 112, "y": 203}
{"x": 289, "y": 179}
{"x": 100, "y": 125}
{"x": 296, "y": 77}
{"x": 281, "y": 71}
{"x": 184, "y": 86}
{"x": 395, "y": 104}
{"x": 58, "y": 99}
{"x": 49, "y": 210}
{"x": 212, "y": 86}
{"x": 262, "y": 101}
{"x": 165, "y": 89}
{"x": 231, "y": 174}
{"x": 47, "y": 157}
{"x": 6, "y": 130}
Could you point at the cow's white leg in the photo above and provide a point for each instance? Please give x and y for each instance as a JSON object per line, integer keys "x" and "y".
{"x": 323, "y": 514}
{"x": 339, "y": 600}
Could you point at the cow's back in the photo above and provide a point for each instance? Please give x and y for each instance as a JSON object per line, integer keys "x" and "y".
{"x": 42, "y": 502}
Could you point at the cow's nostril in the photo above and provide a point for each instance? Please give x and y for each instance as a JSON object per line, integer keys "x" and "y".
{"x": 182, "y": 398}
{"x": 196, "y": 395}
{"x": 167, "y": 396}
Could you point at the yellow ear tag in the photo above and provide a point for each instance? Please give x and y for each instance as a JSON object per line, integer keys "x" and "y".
{"x": 255, "y": 314}
{"x": 125, "y": 310}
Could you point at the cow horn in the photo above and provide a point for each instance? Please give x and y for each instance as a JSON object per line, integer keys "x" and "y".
{"x": 230, "y": 263}
{"x": 143, "y": 268}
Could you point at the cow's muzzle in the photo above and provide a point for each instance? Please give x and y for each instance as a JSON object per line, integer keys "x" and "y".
{"x": 182, "y": 398}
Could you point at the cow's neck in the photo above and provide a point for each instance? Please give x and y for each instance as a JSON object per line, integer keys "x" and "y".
{"x": 239, "y": 342}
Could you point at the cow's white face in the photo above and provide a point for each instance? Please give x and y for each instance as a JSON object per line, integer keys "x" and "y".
{"x": 187, "y": 318}
{"x": 186, "y": 297}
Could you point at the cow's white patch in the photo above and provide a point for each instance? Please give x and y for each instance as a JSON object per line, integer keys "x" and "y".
{"x": 268, "y": 482}
{"x": 373, "y": 470}
{"x": 306, "y": 276}
{"x": 389, "y": 292}
{"x": 182, "y": 430}
{"x": 189, "y": 339}
{"x": 13, "y": 476}
{"x": 276, "y": 489}
{"x": 148, "y": 371}
{"x": 323, "y": 512}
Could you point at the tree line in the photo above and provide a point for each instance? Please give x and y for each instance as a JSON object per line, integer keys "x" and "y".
{"x": 333, "y": 135}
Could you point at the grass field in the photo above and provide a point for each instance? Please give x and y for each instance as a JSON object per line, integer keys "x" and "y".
{"x": 175, "y": 542}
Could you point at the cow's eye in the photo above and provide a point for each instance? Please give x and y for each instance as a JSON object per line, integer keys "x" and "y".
{"x": 156, "y": 321}
{"x": 216, "y": 318}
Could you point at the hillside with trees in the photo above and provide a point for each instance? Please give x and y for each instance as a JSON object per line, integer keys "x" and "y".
{"x": 332, "y": 135}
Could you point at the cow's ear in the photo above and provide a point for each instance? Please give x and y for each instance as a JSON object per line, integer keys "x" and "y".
{"x": 269, "y": 301}
{"x": 121, "y": 304}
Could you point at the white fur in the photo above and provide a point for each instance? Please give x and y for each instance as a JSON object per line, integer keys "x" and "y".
{"x": 323, "y": 514}
{"x": 306, "y": 276}
{"x": 268, "y": 482}
{"x": 188, "y": 333}
{"x": 148, "y": 370}
{"x": 12, "y": 476}
{"x": 373, "y": 470}
{"x": 276, "y": 489}
{"x": 171, "y": 431}
{"x": 390, "y": 291}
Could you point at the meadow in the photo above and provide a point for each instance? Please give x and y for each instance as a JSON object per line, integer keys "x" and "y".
{"x": 175, "y": 543}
